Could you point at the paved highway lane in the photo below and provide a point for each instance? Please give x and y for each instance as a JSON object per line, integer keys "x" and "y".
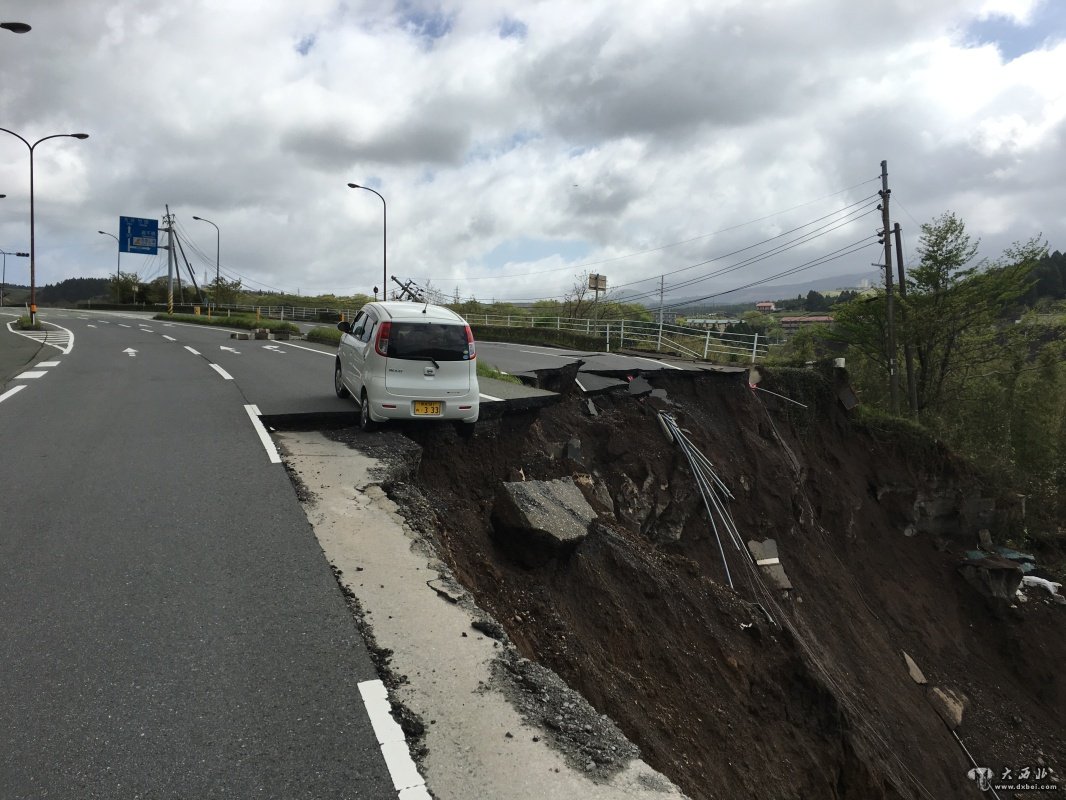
{"x": 169, "y": 626}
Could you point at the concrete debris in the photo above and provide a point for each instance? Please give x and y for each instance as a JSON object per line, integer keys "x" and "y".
{"x": 591, "y": 407}
{"x": 994, "y": 577}
{"x": 847, "y": 398}
{"x": 916, "y": 674}
{"x": 596, "y": 492}
{"x": 766, "y": 558}
{"x": 1050, "y": 586}
{"x": 639, "y": 386}
{"x": 949, "y": 705}
{"x": 573, "y": 451}
{"x": 984, "y": 539}
{"x": 446, "y": 589}
{"x": 539, "y": 519}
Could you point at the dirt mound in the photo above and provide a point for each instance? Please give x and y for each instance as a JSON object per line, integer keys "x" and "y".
{"x": 640, "y": 620}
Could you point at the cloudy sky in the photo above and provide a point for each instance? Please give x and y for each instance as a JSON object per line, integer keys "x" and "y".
{"x": 716, "y": 143}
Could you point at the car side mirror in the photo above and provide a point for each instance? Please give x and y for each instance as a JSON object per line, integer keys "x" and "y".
{"x": 346, "y": 327}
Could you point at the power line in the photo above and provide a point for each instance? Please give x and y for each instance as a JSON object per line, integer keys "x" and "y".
{"x": 661, "y": 247}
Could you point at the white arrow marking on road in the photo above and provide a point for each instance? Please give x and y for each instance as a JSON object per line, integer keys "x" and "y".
{"x": 223, "y": 347}
{"x": 273, "y": 347}
{"x": 131, "y": 351}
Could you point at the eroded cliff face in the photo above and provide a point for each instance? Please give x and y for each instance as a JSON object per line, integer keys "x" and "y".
{"x": 755, "y": 691}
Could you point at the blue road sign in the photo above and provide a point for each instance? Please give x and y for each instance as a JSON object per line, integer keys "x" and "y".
{"x": 138, "y": 235}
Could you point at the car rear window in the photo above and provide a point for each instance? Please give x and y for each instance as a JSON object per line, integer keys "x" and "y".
{"x": 439, "y": 341}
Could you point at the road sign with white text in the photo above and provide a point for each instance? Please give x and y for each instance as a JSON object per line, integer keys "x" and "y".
{"x": 138, "y": 235}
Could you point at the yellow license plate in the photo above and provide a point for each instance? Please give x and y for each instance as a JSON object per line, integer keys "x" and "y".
{"x": 424, "y": 407}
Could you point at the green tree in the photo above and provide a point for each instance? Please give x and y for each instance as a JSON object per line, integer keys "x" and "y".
{"x": 952, "y": 309}
{"x": 123, "y": 289}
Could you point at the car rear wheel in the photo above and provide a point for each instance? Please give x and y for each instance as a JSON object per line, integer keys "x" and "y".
{"x": 365, "y": 422}
{"x": 338, "y": 382}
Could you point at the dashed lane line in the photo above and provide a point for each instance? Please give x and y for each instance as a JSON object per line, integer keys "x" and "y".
{"x": 405, "y": 775}
{"x": 194, "y": 352}
{"x": 169, "y": 338}
{"x": 32, "y": 374}
{"x": 225, "y": 375}
{"x": 12, "y": 392}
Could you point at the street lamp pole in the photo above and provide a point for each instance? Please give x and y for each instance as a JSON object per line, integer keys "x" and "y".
{"x": 3, "y": 278}
{"x": 384, "y": 235}
{"x": 118, "y": 268}
{"x": 33, "y": 248}
{"x": 218, "y": 247}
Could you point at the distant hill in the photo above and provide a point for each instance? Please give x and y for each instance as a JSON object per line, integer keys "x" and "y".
{"x": 784, "y": 291}
{"x": 74, "y": 290}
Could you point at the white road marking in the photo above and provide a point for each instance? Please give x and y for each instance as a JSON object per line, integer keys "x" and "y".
{"x": 11, "y": 392}
{"x": 221, "y": 372}
{"x": 653, "y": 361}
{"x": 47, "y": 364}
{"x": 273, "y": 347}
{"x": 194, "y": 352}
{"x": 230, "y": 349}
{"x": 31, "y": 375}
{"x": 313, "y": 350}
{"x": 90, "y": 326}
{"x": 405, "y": 776}
{"x": 130, "y": 352}
{"x": 264, "y": 437}
{"x": 122, "y": 325}
{"x": 580, "y": 385}
{"x": 61, "y": 339}
{"x": 553, "y": 355}
{"x": 490, "y": 397}
{"x": 169, "y": 338}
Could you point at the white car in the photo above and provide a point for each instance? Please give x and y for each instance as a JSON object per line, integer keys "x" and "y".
{"x": 411, "y": 361}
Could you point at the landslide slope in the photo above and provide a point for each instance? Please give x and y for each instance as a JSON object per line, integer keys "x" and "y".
{"x": 639, "y": 618}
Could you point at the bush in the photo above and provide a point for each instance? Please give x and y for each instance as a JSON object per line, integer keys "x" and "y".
{"x": 548, "y": 336}
{"x": 324, "y": 335}
{"x": 246, "y": 323}
{"x": 26, "y": 325}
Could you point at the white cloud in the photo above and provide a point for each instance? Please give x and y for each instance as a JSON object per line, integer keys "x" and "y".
{"x": 497, "y": 128}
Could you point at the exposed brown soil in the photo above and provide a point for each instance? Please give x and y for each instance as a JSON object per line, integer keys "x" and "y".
{"x": 639, "y": 619}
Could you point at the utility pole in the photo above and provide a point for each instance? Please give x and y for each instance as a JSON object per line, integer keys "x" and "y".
{"x": 168, "y": 223}
{"x": 893, "y": 375}
{"x": 908, "y": 351}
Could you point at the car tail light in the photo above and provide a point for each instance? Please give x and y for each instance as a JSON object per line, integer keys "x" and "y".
{"x": 470, "y": 342}
{"x": 382, "y": 342}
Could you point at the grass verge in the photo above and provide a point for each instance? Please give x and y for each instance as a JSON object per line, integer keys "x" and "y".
{"x": 488, "y": 371}
{"x": 26, "y": 325}
{"x": 245, "y": 323}
{"x": 324, "y": 335}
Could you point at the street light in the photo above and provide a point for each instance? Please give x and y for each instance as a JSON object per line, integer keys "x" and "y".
{"x": 16, "y": 27}
{"x": 33, "y": 248}
{"x": 3, "y": 278}
{"x": 384, "y": 235}
{"x": 218, "y": 245}
{"x": 118, "y": 268}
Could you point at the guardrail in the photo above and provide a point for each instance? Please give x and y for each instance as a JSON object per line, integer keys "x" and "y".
{"x": 660, "y": 337}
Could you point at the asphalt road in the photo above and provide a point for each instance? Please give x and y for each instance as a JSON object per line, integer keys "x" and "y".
{"x": 169, "y": 626}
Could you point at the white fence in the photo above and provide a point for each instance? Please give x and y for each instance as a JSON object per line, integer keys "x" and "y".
{"x": 663, "y": 338}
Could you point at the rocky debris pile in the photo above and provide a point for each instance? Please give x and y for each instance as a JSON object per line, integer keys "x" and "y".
{"x": 636, "y": 614}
